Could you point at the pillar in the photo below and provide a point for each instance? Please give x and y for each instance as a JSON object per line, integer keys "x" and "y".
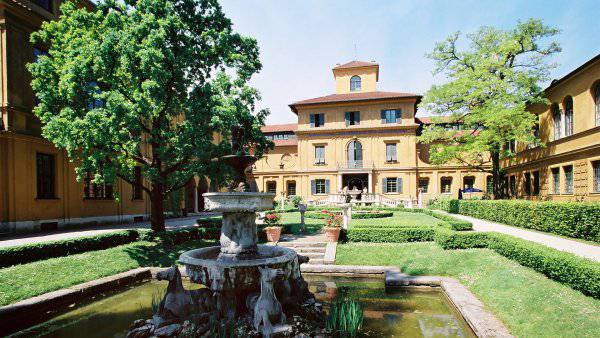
{"x": 370, "y": 184}
{"x": 196, "y": 199}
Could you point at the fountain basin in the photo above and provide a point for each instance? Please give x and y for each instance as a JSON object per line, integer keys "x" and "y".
{"x": 238, "y": 201}
{"x": 219, "y": 272}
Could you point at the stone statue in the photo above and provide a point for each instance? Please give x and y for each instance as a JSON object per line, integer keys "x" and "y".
{"x": 267, "y": 310}
{"x": 302, "y": 209}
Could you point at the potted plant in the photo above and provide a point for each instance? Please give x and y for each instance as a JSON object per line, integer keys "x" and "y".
{"x": 273, "y": 229}
{"x": 333, "y": 225}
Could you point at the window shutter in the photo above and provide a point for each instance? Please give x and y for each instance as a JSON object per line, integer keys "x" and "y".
{"x": 384, "y": 185}
{"x": 313, "y": 187}
{"x": 394, "y": 150}
{"x": 312, "y": 120}
{"x": 399, "y": 185}
{"x": 387, "y": 153}
{"x": 383, "y": 116}
{"x": 398, "y": 114}
{"x": 322, "y": 119}
{"x": 357, "y": 117}
{"x": 327, "y": 186}
{"x": 347, "y": 118}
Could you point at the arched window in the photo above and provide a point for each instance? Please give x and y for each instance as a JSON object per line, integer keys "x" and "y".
{"x": 355, "y": 155}
{"x": 557, "y": 121}
{"x": 597, "y": 103}
{"x": 568, "y": 105}
{"x": 355, "y": 83}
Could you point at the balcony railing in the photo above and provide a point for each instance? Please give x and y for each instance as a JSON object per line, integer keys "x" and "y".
{"x": 355, "y": 165}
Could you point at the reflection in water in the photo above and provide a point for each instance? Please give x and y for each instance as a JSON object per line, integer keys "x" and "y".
{"x": 402, "y": 313}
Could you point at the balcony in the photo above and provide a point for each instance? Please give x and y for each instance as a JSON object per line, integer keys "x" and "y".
{"x": 350, "y": 165}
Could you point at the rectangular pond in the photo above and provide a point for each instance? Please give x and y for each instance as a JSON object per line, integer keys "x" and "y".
{"x": 407, "y": 312}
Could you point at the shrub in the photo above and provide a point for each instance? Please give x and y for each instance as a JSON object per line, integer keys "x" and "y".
{"x": 579, "y": 273}
{"x": 380, "y": 214}
{"x": 572, "y": 219}
{"x": 446, "y": 204}
{"x": 272, "y": 219}
{"x": 449, "y": 239}
{"x": 391, "y": 235}
{"x": 296, "y": 200}
{"x": 34, "y": 252}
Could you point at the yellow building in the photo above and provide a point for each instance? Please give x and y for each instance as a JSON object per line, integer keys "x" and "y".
{"x": 568, "y": 166}
{"x": 38, "y": 189}
{"x": 359, "y": 138}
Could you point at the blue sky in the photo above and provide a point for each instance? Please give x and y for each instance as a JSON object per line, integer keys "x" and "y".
{"x": 301, "y": 41}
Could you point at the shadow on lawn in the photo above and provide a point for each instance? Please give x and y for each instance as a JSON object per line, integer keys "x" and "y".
{"x": 294, "y": 228}
{"x": 163, "y": 255}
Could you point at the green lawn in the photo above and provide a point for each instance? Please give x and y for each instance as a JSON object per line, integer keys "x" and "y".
{"x": 530, "y": 304}
{"x": 27, "y": 280}
{"x": 291, "y": 220}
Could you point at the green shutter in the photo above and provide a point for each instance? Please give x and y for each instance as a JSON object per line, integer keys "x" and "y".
{"x": 384, "y": 185}
{"x": 312, "y": 120}
{"x": 327, "y": 186}
{"x": 313, "y": 187}
{"x": 383, "y": 117}
{"x": 347, "y": 118}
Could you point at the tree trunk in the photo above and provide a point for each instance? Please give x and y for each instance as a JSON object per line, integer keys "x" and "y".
{"x": 157, "y": 205}
{"x": 496, "y": 174}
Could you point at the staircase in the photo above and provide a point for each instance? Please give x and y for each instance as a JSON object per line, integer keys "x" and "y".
{"x": 315, "y": 251}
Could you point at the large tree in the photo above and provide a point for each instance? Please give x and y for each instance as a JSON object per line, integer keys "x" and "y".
{"x": 157, "y": 84}
{"x": 491, "y": 79}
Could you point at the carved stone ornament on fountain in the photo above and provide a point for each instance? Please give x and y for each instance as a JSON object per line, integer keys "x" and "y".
{"x": 254, "y": 286}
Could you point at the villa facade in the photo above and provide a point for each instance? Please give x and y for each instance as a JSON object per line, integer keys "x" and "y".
{"x": 359, "y": 138}
{"x": 567, "y": 166}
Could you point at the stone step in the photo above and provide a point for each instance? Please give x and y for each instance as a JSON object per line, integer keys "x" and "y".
{"x": 302, "y": 244}
{"x": 315, "y": 261}
{"x": 309, "y": 249}
{"x": 312, "y": 254}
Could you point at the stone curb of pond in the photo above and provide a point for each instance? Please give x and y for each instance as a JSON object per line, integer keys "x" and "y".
{"x": 19, "y": 315}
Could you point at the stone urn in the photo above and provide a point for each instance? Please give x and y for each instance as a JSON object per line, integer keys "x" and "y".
{"x": 273, "y": 233}
{"x": 332, "y": 234}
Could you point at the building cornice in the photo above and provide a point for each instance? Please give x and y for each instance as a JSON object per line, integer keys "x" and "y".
{"x": 355, "y": 131}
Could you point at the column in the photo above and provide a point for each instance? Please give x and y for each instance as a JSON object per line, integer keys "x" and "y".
{"x": 339, "y": 185}
{"x": 196, "y": 199}
{"x": 370, "y": 184}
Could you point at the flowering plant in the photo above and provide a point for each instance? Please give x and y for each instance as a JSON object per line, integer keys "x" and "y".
{"x": 332, "y": 220}
{"x": 272, "y": 219}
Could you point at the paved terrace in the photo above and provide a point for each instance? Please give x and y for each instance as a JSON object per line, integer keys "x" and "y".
{"x": 575, "y": 247}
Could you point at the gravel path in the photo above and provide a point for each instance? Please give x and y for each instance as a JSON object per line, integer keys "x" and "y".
{"x": 563, "y": 244}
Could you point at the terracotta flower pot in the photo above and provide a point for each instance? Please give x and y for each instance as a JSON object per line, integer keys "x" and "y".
{"x": 273, "y": 234}
{"x": 332, "y": 234}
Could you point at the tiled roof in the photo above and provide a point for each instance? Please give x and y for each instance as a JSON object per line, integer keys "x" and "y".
{"x": 273, "y": 128}
{"x": 354, "y": 97}
{"x": 288, "y": 142}
{"x": 356, "y": 64}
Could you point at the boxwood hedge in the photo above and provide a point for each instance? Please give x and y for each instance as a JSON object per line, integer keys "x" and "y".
{"x": 572, "y": 219}
{"x": 391, "y": 235}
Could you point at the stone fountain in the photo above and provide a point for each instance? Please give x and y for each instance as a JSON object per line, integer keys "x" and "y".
{"x": 257, "y": 284}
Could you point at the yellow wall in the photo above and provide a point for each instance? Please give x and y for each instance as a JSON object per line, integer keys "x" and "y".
{"x": 579, "y": 150}
{"x": 368, "y": 76}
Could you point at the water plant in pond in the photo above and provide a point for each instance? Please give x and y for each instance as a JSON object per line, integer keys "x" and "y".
{"x": 157, "y": 297}
{"x": 345, "y": 317}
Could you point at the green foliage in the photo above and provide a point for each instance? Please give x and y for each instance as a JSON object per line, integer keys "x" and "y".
{"x": 34, "y": 252}
{"x": 391, "y": 234}
{"x": 491, "y": 81}
{"x": 157, "y": 297}
{"x": 148, "y": 83}
{"x": 173, "y": 202}
{"x": 448, "y": 220}
{"x": 572, "y": 219}
{"x": 345, "y": 317}
{"x": 449, "y": 239}
{"x": 355, "y": 215}
{"x": 446, "y": 204}
{"x": 296, "y": 200}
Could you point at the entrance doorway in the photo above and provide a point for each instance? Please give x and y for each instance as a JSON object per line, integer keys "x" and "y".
{"x": 358, "y": 181}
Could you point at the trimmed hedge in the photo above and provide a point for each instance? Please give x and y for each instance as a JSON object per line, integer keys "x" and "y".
{"x": 391, "y": 235}
{"x": 572, "y": 219}
{"x": 451, "y": 222}
{"x": 449, "y": 239}
{"x": 322, "y": 215}
{"x": 34, "y": 252}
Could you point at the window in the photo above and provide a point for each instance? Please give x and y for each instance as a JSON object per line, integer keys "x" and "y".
{"x": 272, "y": 187}
{"x": 45, "y": 176}
{"x": 291, "y": 188}
{"x": 489, "y": 184}
{"x": 136, "y": 188}
{"x": 317, "y": 120}
{"x": 596, "y": 173}
{"x": 468, "y": 182}
{"x": 352, "y": 118}
{"x": 597, "y": 103}
{"x": 319, "y": 186}
{"x": 568, "y": 170}
{"x": 446, "y": 185}
{"x": 320, "y": 155}
{"x": 556, "y": 180}
{"x": 568, "y": 104}
{"x": 390, "y": 152}
{"x": 513, "y": 185}
{"x": 355, "y": 84}
{"x": 45, "y": 4}
{"x": 391, "y": 115}
{"x": 355, "y": 159}
{"x": 556, "y": 116}
{"x": 96, "y": 191}
{"x": 527, "y": 184}
{"x": 391, "y": 185}
{"x": 424, "y": 185}
{"x": 536, "y": 182}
